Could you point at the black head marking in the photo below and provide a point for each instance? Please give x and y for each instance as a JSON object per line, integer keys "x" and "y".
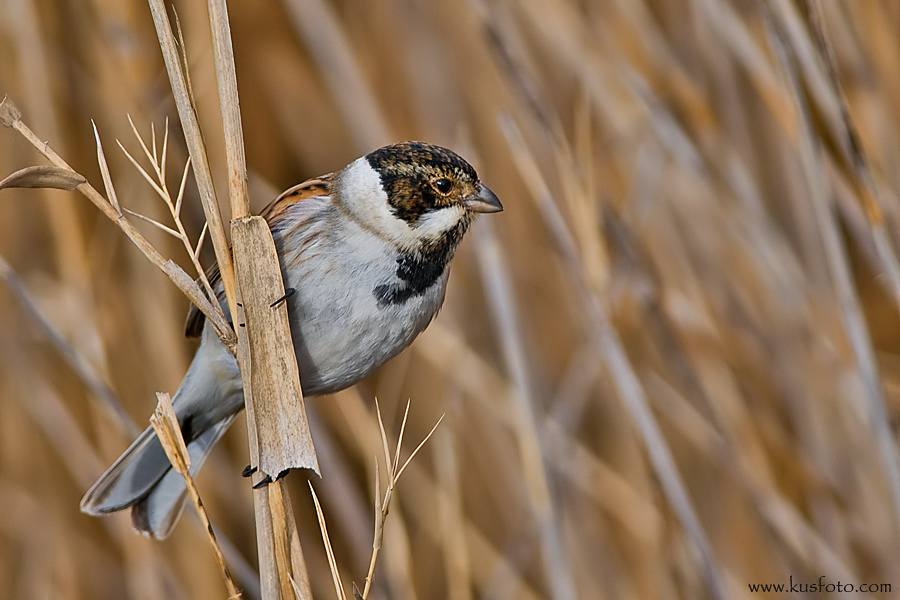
{"x": 419, "y": 178}
{"x": 415, "y": 175}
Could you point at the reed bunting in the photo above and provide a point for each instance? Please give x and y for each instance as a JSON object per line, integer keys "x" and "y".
{"x": 366, "y": 251}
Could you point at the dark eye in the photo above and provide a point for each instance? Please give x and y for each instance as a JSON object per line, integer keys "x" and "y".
{"x": 442, "y": 185}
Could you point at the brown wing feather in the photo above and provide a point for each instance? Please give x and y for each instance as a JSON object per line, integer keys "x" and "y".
{"x": 311, "y": 188}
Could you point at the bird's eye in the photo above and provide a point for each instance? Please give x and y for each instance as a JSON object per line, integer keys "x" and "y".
{"x": 442, "y": 185}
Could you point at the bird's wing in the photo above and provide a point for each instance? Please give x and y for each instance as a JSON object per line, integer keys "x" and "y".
{"x": 311, "y": 188}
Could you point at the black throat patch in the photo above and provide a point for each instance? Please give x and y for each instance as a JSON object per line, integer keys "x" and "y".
{"x": 420, "y": 269}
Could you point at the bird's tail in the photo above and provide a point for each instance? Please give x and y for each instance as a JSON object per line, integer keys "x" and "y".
{"x": 143, "y": 479}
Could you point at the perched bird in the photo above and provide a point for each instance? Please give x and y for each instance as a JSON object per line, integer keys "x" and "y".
{"x": 366, "y": 251}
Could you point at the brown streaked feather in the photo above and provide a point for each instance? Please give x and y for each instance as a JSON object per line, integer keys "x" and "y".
{"x": 311, "y": 188}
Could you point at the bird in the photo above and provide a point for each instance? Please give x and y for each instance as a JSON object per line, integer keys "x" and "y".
{"x": 364, "y": 254}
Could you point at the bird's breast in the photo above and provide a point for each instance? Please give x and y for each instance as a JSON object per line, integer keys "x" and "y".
{"x": 357, "y": 303}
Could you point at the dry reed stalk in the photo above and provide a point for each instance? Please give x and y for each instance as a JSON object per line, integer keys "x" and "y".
{"x": 180, "y": 85}
{"x": 279, "y": 433}
{"x": 168, "y": 430}
{"x": 326, "y": 541}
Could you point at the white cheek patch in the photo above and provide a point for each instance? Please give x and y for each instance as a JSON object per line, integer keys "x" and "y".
{"x": 367, "y": 201}
{"x": 435, "y": 223}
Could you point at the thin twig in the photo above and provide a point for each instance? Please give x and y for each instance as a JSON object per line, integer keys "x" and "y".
{"x": 11, "y": 117}
{"x": 165, "y": 423}
{"x": 157, "y": 162}
{"x": 104, "y": 171}
{"x": 332, "y": 562}
{"x": 196, "y": 146}
{"x": 395, "y": 470}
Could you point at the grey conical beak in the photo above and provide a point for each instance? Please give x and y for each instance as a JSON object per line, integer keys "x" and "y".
{"x": 485, "y": 201}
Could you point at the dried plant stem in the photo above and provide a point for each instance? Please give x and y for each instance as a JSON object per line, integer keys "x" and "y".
{"x": 395, "y": 470}
{"x": 231, "y": 113}
{"x": 332, "y": 563}
{"x": 291, "y": 564}
{"x": 274, "y": 397}
{"x": 165, "y": 423}
{"x": 272, "y": 402}
{"x": 158, "y": 163}
{"x": 11, "y": 117}
{"x": 382, "y": 503}
{"x": 285, "y": 441}
{"x": 280, "y": 539}
{"x": 178, "y": 79}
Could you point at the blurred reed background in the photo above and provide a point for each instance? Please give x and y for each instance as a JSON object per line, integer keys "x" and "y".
{"x": 693, "y": 226}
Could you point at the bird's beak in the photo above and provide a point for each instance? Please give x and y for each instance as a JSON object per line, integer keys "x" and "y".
{"x": 485, "y": 201}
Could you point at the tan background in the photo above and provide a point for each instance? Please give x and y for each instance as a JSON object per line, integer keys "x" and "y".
{"x": 667, "y": 168}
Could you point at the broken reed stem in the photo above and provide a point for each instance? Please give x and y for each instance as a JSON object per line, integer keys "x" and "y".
{"x": 275, "y": 407}
{"x": 278, "y": 430}
{"x": 165, "y": 423}
{"x": 11, "y": 117}
{"x": 277, "y": 401}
